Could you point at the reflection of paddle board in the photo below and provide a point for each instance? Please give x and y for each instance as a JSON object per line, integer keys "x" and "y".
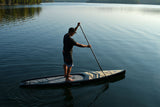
{"x": 79, "y": 78}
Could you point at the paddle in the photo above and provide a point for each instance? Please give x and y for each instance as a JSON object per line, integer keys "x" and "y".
{"x": 92, "y": 51}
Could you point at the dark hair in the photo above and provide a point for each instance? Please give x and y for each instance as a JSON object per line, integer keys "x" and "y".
{"x": 71, "y": 30}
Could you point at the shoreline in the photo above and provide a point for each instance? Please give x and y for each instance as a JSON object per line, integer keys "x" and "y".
{"x": 17, "y": 4}
{"x": 81, "y": 2}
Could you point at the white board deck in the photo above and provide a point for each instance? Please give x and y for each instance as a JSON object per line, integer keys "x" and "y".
{"x": 51, "y": 80}
{"x": 100, "y": 74}
{"x": 82, "y": 76}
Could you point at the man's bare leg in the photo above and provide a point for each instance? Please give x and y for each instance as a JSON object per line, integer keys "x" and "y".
{"x": 69, "y": 71}
{"x": 68, "y": 74}
{"x": 65, "y": 69}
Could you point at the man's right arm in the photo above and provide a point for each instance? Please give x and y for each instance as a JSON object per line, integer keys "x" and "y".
{"x": 78, "y": 24}
{"x": 82, "y": 45}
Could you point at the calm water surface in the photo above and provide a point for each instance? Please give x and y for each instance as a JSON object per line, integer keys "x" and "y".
{"x": 122, "y": 36}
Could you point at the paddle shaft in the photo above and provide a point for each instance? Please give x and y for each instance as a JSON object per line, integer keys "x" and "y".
{"x": 92, "y": 51}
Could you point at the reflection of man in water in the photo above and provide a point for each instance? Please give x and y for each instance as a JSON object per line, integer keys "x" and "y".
{"x": 68, "y": 44}
{"x": 68, "y": 97}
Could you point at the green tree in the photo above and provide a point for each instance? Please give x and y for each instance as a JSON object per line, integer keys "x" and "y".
{"x": 9, "y": 2}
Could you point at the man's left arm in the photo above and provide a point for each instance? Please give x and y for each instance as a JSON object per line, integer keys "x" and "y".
{"x": 82, "y": 45}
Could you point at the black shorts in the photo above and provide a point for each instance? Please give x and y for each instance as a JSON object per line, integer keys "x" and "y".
{"x": 67, "y": 57}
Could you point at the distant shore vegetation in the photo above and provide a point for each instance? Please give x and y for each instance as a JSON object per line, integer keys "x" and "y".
{"x": 115, "y": 1}
{"x": 47, "y": 0}
{"x": 28, "y": 2}
{"x": 16, "y": 2}
{"x": 157, "y": 2}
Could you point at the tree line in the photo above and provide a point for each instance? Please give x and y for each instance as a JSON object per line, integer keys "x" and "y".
{"x": 47, "y": 0}
{"x": 12, "y": 2}
{"x": 114, "y": 1}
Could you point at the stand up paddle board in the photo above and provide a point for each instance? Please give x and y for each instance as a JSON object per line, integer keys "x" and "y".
{"x": 78, "y": 79}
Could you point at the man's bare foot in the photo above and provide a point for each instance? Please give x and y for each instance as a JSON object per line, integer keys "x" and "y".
{"x": 68, "y": 76}
{"x": 69, "y": 79}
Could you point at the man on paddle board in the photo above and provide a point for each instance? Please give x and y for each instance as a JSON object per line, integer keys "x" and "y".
{"x": 68, "y": 44}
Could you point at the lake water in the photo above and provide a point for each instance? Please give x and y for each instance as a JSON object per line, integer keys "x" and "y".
{"x": 122, "y": 37}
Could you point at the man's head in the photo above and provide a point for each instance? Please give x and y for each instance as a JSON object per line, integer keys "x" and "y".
{"x": 71, "y": 31}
